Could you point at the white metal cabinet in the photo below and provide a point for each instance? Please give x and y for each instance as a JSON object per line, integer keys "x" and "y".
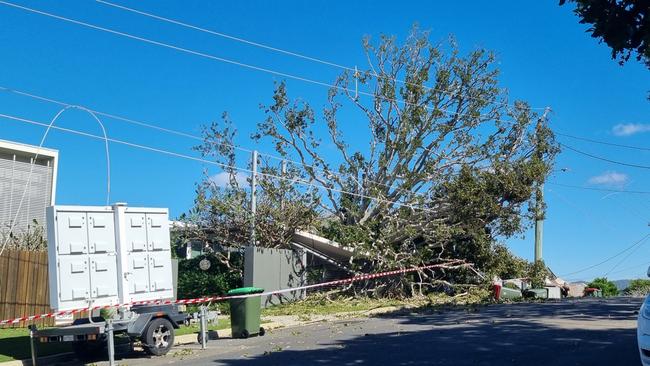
{"x": 149, "y": 255}
{"x": 107, "y": 255}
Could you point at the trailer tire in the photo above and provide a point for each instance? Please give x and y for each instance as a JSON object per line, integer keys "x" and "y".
{"x": 158, "y": 338}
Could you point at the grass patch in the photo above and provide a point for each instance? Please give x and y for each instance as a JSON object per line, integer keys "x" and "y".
{"x": 473, "y": 296}
{"x": 223, "y": 307}
{"x": 319, "y": 304}
{"x": 14, "y": 342}
{"x": 14, "y": 345}
{"x": 221, "y": 323}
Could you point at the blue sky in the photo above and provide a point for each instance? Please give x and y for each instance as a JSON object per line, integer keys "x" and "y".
{"x": 544, "y": 55}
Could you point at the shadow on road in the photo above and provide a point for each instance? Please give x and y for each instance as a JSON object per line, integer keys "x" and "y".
{"x": 493, "y": 335}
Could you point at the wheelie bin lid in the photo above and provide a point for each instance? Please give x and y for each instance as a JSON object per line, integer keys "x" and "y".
{"x": 245, "y": 291}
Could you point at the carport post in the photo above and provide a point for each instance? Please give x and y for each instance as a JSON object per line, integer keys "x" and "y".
{"x": 111, "y": 342}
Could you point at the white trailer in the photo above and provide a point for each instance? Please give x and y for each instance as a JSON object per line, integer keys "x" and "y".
{"x": 110, "y": 256}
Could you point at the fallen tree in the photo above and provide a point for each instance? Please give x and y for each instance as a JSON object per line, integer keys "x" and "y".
{"x": 449, "y": 166}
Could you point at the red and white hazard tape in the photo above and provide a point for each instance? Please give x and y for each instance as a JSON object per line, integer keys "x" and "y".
{"x": 200, "y": 300}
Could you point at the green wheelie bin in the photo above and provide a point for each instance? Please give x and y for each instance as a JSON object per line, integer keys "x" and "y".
{"x": 245, "y": 312}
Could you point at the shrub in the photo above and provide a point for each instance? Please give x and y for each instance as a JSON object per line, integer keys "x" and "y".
{"x": 32, "y": 238}
{"x": 639, "y": 287}
{"x": 607, "y": 287}
{"x": 501, "y": 262}
{"x": 537, "y": 274}
{"x": 216, "y": 280}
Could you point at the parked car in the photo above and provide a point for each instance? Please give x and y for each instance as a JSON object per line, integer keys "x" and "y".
{"x": 643, "y": 330}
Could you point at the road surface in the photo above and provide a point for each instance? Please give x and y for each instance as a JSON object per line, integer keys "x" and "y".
{"x": 580, "y": 332}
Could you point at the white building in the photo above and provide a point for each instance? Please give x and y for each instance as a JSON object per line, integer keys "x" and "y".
{"x": 15, "y": 163}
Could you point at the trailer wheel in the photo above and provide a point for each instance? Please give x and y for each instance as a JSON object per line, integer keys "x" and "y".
{"x": 158, "y": 339}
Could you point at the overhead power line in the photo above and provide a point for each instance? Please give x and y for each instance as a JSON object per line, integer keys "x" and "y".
{"x": 586, "y": 213}
{"x": 630, "y": 209}
{"x": 49, "y": 126}
{"x": 236, "y": 63}
{"x": 195, "y": 137}
{"x": 598, "y": 189}
{"x": 201, "y": 54}
{"x": 222, "y": 165}
{"x": 604, "y": 159}
{"x": 630, "y": 267}
{"x": 638, "y": 242}
{"x": 602, "y": 142}
{"x": 227, "y": 36}
{"x": 197, "y": 53}
{"x": 161, "y": 44}
{"x": 626, "y": 257}
{"x": 283, "y": 51}
{"x": 109, "y": 115}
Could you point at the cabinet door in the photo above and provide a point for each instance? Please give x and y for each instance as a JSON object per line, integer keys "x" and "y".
{"x": 160, "y": 271}
{"x": 72, "y": 234}
{"x": 101, "y": 232}
{"x": 103, "y": 274}
{"x": 74, "y": 280}
{"x": 136, "y": 232}
{"x": 138, "y": 277}
{"x": 158, "y": 232}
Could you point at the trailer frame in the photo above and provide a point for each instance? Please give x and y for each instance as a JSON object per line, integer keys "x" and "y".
{"x": 93, "y": 332}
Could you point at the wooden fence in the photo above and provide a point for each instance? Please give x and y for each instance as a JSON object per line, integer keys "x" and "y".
{"x": 24, "y": 286}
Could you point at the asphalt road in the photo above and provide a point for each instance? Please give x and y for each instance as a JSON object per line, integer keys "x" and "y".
{"x": 583, "y": 332}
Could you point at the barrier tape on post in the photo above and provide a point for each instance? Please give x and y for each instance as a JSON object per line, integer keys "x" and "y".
{"x": 200, "y": 300}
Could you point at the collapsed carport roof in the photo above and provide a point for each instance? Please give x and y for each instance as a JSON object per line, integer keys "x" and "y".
{"x": 324, "y": 246}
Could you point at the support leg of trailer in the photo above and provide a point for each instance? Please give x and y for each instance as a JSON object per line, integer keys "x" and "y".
{"x": 32, "y": 343}
{"x": 110, "y": 342}
{"x": 203, "y": 327}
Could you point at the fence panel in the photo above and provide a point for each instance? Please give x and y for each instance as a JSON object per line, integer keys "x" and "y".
{"x": 24, "y": 286}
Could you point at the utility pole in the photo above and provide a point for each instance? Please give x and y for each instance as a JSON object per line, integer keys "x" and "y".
{"x": 253, "y": 196}
{"x": 539, "y": 222}
{"x": 283, "y": 170}
{"x": 539, "y": 194}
